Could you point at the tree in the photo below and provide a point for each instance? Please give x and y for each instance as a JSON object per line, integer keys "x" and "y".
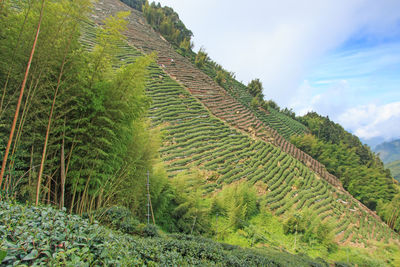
{"x": 238, "y": 202}
{"x": 256, "y": 89}
{"x": 201, "y": 58}
{"x": 220, "y": 78}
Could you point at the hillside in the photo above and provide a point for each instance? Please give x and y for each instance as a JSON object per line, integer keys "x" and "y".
{"x": 208, "y": 129}
{"x": 389, "y": 151}
{"x": 117, "y": 115}
{"x": 394, "y": 168}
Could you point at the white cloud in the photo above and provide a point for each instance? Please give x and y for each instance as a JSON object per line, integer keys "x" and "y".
{"x": 277, "y": 41}
{"x": 333, "y": 98}
{"x": 280, "y": 42}
{"x": 373, "y": 120}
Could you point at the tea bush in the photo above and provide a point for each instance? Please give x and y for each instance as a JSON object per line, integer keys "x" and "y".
{"x": 47, "y": 236}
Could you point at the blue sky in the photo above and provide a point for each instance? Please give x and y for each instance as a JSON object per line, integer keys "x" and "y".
{"x": 340, "y": 58}
{"x": 357, "y": 85}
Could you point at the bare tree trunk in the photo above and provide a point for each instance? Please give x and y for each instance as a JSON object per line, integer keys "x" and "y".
{"x": 3, "y": 166}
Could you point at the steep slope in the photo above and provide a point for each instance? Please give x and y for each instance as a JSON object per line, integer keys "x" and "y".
{"x": 284, "y": 125}
{"x": 209, "y": 129}
{"x": 197, "y": 139}
{"x": 214, "y": 97}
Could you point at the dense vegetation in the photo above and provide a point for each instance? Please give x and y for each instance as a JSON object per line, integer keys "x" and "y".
{"x": 44, "y": 235}
{"x": 135, "y": 4}
{"x": 360, "y": 170}
{"x": 197, "y": 142}
{"x": 167, "y": 22}
{"x": 82, "y": 140}
{"x": 164, "y": 20}
{"x": 97, "y": 115}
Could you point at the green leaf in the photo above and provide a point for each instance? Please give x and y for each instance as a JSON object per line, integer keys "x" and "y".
{"x": 31, "y": 256}
{"x": 3, "y": 254}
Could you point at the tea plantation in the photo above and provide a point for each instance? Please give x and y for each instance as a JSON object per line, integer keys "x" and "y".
{"x": 196, "y": 138}
{"x": 45, "y": 236}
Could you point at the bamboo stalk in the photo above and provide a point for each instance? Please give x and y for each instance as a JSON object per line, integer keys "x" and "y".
{"x": 62, "y": 170}
{"x": 49, "y": 122}
{"x": 3, "y": 166}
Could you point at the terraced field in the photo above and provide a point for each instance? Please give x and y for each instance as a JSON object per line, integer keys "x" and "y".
{"x": 208, "y": 129}
{"x": 278, "y": 121}
{"x": 195, "y": 139}
{"x": 216, "y": 99}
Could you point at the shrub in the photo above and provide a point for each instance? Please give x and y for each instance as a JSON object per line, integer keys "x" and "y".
{"x": 201, "y": 58}
{"x": 220, "y": 78}
{"x": 312, "y": 229}
{"x": 46, "y": 236}
{"x": 150, "y": 230}
{"x": 119, "y": 218}
{"x": 295, "y": 223}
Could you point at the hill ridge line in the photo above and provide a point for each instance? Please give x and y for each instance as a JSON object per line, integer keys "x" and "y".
{"x": 201, "y": 86}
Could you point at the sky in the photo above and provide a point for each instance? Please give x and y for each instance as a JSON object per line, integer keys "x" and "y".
{"x": 340, "y": 58}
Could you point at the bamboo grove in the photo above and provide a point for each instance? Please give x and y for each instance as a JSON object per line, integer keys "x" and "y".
{"x": 72, "y": 126}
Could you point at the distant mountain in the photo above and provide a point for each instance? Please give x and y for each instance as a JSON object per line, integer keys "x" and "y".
{"x": 373, "y": 142}
{"x": 389, "y": 151}
{"x": 394, "y": 168}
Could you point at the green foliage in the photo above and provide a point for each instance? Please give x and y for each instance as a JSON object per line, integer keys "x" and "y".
{"x": 185, "y": 46}
{"x": 255, "y": 102}
{"x": 390, "y": 213}
{"x": 201, "y": 58}
{"x": 119, "y": 218}
{"x": 238, "y": 202}
{"x": 357, "y": 167}
{"x": 166, "y": 21}
{"x": 270, "y": 104}
{"x": 295, "y": 224}
{"x": 256, "y": 89}
{"x": 311, "y": 229}
{"x": 189, "y": 213}
{"x": 3, "y": 254}
{"x": 58, "y": 39}
{"x": 220, "y": 78}
{"x": 328, "y": 131}
{"x": 98, "y": 122}
{"x": 136, "y": 4}
{"x": 46, "y": 236}
{"x": 150, "y": 230}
